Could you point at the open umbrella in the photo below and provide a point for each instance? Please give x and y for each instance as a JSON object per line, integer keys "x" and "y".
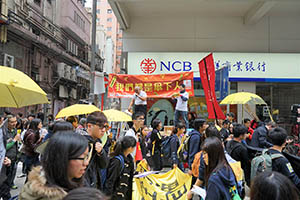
{"x": 77, "y": 109}
{"x": 116, "y": 116}
{"x": 18, "y": 90}
{"x": 243, "y": 98}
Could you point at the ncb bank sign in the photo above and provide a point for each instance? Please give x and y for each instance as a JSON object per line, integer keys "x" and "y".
{"x": 251, "y": 66}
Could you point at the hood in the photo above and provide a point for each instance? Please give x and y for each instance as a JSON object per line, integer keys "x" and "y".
{"x": 36, "y": 187}
{"x": 194, "y": 132}
{"x": 226, "y": 175}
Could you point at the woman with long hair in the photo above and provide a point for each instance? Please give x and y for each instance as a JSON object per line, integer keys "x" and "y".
{"x": 64, "y": 162}
{"x": 31, "y": 140}
{"x": 178, "y": 130}
{"x": 120, "y": 169}
{"x": 219, "y": 178}
{"x": 156, "y": 145}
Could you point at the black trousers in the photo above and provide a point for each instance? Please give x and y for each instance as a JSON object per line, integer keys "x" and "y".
{"x": 143, "y": 109}
{"x": 157, "y": 162}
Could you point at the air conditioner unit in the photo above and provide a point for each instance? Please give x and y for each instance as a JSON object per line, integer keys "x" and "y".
{"x": 73, "y": 74}
{"x": 68, "y": 72}
{"x": 38, "y": 77}
{"x": 61, "y": 69}
{"x": 8, "y": 61}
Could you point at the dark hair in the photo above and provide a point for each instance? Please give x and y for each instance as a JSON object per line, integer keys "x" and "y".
{"x": 55, "y": 160}
{"x": 272, "y": 186}
{"x": 20, "y": 114}
{"x": 123, "y": 144}
{"x": 246, "y": 120}
{"x": 179, "y": 125}
{"x": 216, "y": 157}
{"x": 239, "y": 130}
{"x": 231, "y": 114}
{"x": 62, "y": 126}
{"x": 85, "y": 193}
{"x": 155, "y": 123}
{"x": 278, "y": 136}
{"x": 26, "y": 125}
{"x": 226, "y": 121}
{"x": 82, "y": 121}
{"x": 72, "y": 119}
{"x": 198, "y": 123}
{"x": 270, "y": 123}
{"x": 136, "y": 115}
{"x": 31, "y": 115}
{"x": 34, "y": 124}
{"x": 212, "y": 131}
{"x": 51, "y": 117}
{"x": 96, "y": 117}
{"x": 182, "y": 85}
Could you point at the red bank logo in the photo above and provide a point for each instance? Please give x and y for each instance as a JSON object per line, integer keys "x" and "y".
{"x": 148, "y": 65}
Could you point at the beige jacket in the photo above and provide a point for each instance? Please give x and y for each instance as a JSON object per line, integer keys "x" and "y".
{"x": 36, "y": 188}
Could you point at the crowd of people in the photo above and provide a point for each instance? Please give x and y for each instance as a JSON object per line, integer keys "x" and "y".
{"x": 66, "y": 159}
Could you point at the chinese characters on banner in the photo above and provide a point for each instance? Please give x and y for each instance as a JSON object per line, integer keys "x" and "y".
{"x": 239, "y": 66}
{"x": 156, "y": 86}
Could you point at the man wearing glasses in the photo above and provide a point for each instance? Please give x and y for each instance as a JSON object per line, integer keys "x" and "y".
{"x": 96, "y": 127}
{"x": 138, "y": 121}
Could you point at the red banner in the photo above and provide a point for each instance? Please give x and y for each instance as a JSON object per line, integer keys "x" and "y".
{"x": 207, "y": 74}
{"x": 156, "y": 86}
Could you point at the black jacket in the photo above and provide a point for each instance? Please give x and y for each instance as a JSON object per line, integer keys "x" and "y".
{"x": 224, "y": 133}
{"x": 92, "y": 176}
{"x": 12, "y": 152}
{"x": 156, "y": 137}
{"x": 174, "y": 143}
{"x": 283, "y": 166}
{"x": 194, "y": 146}
{"x": 239, "y": 152}
{"x": 259, "y": 138}
{"x": 118, "y": 183}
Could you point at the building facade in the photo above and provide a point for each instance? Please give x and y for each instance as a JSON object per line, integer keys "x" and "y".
{"x": 50, "y": 42}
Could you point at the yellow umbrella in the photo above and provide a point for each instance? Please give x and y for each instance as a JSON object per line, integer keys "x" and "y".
{"x": 77, "y": 109}
{"x": 243, "y": 98}
{"x": 18, "y": 90}
{"x": 116, "y": 116}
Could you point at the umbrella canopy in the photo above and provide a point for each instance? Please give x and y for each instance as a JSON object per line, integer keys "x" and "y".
{"x": 77, "y": 109}
{"x": 116, "y": 116}
{"x": 243, "y": 98}
{"x": 19, "y": 90}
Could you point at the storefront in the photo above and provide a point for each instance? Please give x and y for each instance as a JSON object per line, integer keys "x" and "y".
{"x": 275, "y": 77}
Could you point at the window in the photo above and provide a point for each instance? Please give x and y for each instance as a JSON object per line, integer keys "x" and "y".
{"x": 109, "y": 19}
{"x": 109, "y": 11}
{"x": 79, "y": 21}
{"x": 109, "y": 28}
{"x": 37, "y": 2}
{"x": 98, "y": 11}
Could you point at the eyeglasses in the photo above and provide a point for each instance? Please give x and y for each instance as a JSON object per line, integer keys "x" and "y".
{"x": 141, "y": 119}
{"x": 102, "y": 126}
{"x": 86, "y": 158}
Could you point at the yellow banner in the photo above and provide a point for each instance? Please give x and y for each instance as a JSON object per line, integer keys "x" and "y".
{"x": 170, "y": 186}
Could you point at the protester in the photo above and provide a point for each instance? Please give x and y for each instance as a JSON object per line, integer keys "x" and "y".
{"x": 31, "y": 140}
{"x": 178, "y": 130}
{"x": 259, "y": 137}
{"x": 247, "y": 123}
{"x": 138, "y": 119}
{"x": 143, "y": 141}
{"x": 225, "y": 130}
{"x": 281, "y": 164}
{"x": 191, "y": 118}
{"x": 81, "y": 129}
{"x": 86, "y": 194}
{"x": 73, "y": 120}
{"x": 30, "y": 117}
{"x": 40, "y": 115}
{"x": 219, "y": 177}
{"x": 156, "y": 140}
{"x": 120, "y": 170}
{"x": 139, "y": 100}
{"x": 96, "y": 127}
{"x": 58, "y": 174}
{"x": 230, "y": 117}
{"x": 181, "y": 106}
{"x": 291, "y": 147}
{"x": 197, "y": 136}
{"x": 271, "y": 186}
{"x": 238, "y": 151}
{"x": 11, "y": 140}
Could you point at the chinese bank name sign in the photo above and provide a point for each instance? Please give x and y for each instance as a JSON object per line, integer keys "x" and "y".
{"x": 240, "y": 65}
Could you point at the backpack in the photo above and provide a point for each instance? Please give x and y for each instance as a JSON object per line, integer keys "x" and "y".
{"x": 263, "y": 163}
{"x": 183, "y": 150}
{"x": 166, "y": 147}
{"x": 196, "y": 164}
{"x": 121, "y": 159}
